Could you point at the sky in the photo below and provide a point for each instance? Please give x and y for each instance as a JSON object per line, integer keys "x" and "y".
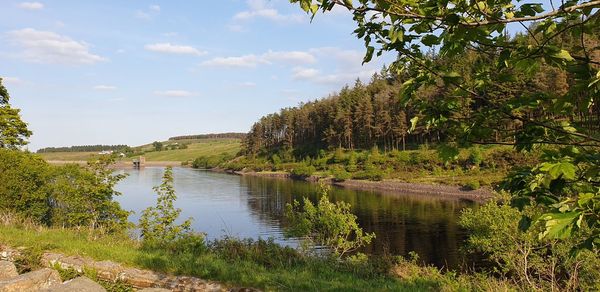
{"x": 132, "y": 72}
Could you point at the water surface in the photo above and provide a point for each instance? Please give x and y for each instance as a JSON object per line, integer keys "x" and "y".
{"x": 244, "y": 206}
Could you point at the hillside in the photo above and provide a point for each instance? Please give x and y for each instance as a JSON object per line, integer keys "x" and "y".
{"x": 195, "y": 148}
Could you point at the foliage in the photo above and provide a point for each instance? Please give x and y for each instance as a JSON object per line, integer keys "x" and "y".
{"x": 340, "y": 174}
{"x": 303, "y": 170}
{"x": 253, "y": 263}
{"x": 532, "y": 263}
{"x": 85, "y": 148}
{"x": 327, "y": 224}
{"x": 65, "y": 196}
{"x": 157, "y": 223}
{"x": 211, "y": 161}
{"x": 13, "y": 131}
{"x": 158, "y": 146}
{"x": 503, "y": 80}
{"x": 472, "y": 185}
{"x": 85, "y": 197}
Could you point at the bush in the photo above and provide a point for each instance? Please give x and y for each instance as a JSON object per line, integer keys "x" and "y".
{"x": 303, "y": 170}
{"x": 521, "y": 256}
{"x": 475, "y": 156}
{"x": 327, "y": 224}
{"x": 340, "y": 174}
{"x": 66, "y": 196}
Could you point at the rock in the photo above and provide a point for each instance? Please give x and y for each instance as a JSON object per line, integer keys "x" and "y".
{"x": 154, "y": 290}
{"x": 82, "y": 284}
{"x": 7, "y": 270}
{"x": 32, "y": 281}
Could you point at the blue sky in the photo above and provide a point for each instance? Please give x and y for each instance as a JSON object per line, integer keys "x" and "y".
{"x": 131, "y": 72}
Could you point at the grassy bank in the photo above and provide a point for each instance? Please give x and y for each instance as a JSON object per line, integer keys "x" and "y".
{"x": 470, "y": 168}
{"x": 265, "y": 266}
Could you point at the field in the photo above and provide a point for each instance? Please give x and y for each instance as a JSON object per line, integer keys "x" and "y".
{"x": 195, "y": 148}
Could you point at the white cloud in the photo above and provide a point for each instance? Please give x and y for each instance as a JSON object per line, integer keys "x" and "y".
{"x": 104, "y": 87}
{"x": 291, "y": 57}
{"x": 174, "y": 49}
{"x": 259, "y": 9}
{"x": 304, "y": 73}
{"x": 270, "y": 57}
{"x": 31, "y": 5}
{"x": 49, "y": 47}
{"x": 339, "y": 78}
{"x": 11, "y": 80}
{"x": 249, "y": 61}
{"x": 174, "y": 93}
{"x": 154, "y": 8}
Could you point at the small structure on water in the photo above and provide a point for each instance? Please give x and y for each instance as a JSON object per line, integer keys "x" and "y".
{"x": 139, "y": 162}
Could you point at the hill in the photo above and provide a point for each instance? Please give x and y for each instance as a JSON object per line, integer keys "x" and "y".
{"x": 193, "y": 149}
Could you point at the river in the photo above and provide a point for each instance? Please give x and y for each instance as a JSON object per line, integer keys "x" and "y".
{"x": 252, "y": 207}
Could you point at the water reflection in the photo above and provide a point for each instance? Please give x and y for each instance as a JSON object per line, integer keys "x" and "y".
{"x": 224, "y": 204}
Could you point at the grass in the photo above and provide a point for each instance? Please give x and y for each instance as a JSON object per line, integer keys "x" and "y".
{"x": 195, "y": 148}
{"x": 68, "y": 156}
{"x": 311, "y": 275}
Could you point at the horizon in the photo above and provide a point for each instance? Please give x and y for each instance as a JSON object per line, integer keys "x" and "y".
{"x": 159, "y": 69}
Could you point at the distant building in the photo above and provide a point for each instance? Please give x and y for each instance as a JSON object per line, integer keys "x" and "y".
{"x": 105, "y": 152}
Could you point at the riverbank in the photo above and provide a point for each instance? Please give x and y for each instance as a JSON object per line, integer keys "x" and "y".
{"x": 239, "y": 263}
{"x": 389, "y": 186}
{"x": 123, "y": 164}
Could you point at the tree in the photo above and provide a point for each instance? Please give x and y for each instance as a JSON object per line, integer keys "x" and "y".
{"x": 157, "y": 223}
{"x": 13, "y": 131}
{"x": 158, "y": 146}
{"x": 566, "y": 184}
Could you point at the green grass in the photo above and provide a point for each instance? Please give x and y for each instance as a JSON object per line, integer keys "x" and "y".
{"x": 196, "y": 148}
{"x": 68, "y": 156}
{"x": 312, "y": 275}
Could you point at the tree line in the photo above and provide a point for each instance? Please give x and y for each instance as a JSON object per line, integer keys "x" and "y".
{"x": 209, "y": 136}
{"x": 84, "y": 148}
{"x": 376, "y": 114}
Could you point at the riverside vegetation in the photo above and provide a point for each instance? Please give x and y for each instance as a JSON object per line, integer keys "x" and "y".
{"x": 537, "y": 91}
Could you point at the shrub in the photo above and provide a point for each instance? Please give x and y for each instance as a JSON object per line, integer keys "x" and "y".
{"x": 157, "y": 223}
{"x": 351, "y": 165}
{"x": 340, "y": 174}
{"x": 303, "y": 170}
{"x": 475, "y": 156}
{"x": 66, "y": 196}
{"x": 532, "y": 263}
{"x": 327, "y": 224}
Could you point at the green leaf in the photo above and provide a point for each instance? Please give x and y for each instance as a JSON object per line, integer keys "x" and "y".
{"x": 559, "y": 225}
{"x": 369, "y": 54}
{"x": 563, "y": 54}
{"x": 566, "y": 169}
{"x": 430, "y": 40}
{"x": 413, "y": 124}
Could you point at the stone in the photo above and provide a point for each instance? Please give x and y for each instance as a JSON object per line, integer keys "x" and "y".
{"x": 32, "y": 281}
{"x": 154, "y": 290}
{"x": 82, "y": 284}
{"x": 7, "y": 270}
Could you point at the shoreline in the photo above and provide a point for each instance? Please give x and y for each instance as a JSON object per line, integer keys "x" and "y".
{"x": 120, "y": 164}
{"x": 387, "y": 186}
